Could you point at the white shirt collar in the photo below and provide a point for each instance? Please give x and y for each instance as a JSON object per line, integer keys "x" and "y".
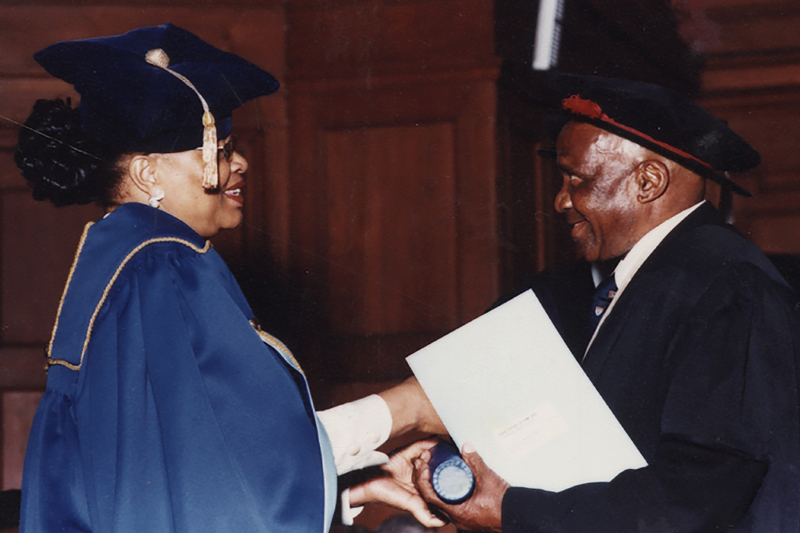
{"x": 637, "y": 255}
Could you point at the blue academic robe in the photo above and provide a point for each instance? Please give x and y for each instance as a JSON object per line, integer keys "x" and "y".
{"x": 165, "y": 408}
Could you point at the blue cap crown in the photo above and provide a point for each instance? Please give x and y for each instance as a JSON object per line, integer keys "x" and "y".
{"x": 141, "y": 106}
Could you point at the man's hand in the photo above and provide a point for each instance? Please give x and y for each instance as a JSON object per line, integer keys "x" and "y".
{"x": 396, "y": 488}
{"x": 482, "y": 510}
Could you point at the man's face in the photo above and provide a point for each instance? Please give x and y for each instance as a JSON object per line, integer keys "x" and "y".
{"x": 598, "y": 196}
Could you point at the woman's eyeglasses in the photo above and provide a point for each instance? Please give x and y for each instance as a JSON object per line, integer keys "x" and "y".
{"x": 226, "y": 150}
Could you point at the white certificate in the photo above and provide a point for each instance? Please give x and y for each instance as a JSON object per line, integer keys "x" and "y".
{"x": 508, "y": 384}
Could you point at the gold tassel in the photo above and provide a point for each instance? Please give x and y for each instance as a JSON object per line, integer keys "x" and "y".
{"x": 210, "y": 168}
{"x": 158, "y": 58}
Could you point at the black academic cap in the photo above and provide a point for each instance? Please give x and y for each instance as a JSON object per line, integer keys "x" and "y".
{"x": 659, "y": 119}
{"x": 147, "y": 90}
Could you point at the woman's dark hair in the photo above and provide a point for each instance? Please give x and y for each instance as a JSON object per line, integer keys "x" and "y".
{"x": 63, "y": 164}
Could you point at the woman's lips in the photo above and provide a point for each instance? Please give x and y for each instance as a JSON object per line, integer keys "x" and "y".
{"x": 234, "y": 193}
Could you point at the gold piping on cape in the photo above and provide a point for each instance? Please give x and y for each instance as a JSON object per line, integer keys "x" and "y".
{"x": 64, "y": 295}
{"x": 277, "y": 344}
{"x": 71, "y": 366}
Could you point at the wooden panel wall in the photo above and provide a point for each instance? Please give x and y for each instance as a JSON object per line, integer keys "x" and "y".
{"x": 374, "y": 181}
{"x": 392, "y": 111}
{"x": 752, "y": 79}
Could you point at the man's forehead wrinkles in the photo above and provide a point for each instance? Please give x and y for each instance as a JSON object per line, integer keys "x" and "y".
{"x": 609, "y": 144}
{"x": 605, "y": 149}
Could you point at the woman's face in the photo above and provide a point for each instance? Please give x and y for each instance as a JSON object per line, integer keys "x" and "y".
{"x": 180, "y": 175}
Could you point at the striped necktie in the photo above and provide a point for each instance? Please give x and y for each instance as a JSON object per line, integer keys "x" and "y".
{"x": 603, "y": 295}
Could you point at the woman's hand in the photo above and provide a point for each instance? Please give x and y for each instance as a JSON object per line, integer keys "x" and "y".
{"x": 482, "y": 511}
{"x": 396, "y": 487}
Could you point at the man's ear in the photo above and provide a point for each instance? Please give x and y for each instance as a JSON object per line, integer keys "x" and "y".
{"x": 652, "y": 180}
{"x": 142, "y": 171}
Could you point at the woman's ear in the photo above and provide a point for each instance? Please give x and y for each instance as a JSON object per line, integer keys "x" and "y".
{"x": 652, "y": 180}
{"x": 142, "y": 172}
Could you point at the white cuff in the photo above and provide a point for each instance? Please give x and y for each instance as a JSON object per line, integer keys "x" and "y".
{"x": 348, "y": 513}
{"x": 356, "y": 430}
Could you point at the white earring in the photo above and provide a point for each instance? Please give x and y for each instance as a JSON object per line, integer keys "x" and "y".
{"x": 156, "y": 195}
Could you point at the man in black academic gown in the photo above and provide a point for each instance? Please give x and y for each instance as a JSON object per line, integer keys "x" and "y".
{"x": 696, "y": 349}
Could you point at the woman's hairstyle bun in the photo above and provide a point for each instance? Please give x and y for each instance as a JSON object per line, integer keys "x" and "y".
{"x": 60, "y": 162}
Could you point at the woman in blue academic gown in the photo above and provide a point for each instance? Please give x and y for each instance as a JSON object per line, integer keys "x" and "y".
{"x": 167, "y": 408}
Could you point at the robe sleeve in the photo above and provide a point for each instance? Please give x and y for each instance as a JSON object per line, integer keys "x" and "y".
{"x": 728, "y": 428}
{"x": 193, "y": 423}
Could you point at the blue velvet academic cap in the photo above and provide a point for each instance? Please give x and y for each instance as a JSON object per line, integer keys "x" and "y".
{"x": 659, "y": 119}
{"x": 139, "y": 107}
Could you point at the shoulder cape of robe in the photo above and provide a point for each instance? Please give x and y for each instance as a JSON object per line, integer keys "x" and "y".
{"x": 165, "y": 409}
